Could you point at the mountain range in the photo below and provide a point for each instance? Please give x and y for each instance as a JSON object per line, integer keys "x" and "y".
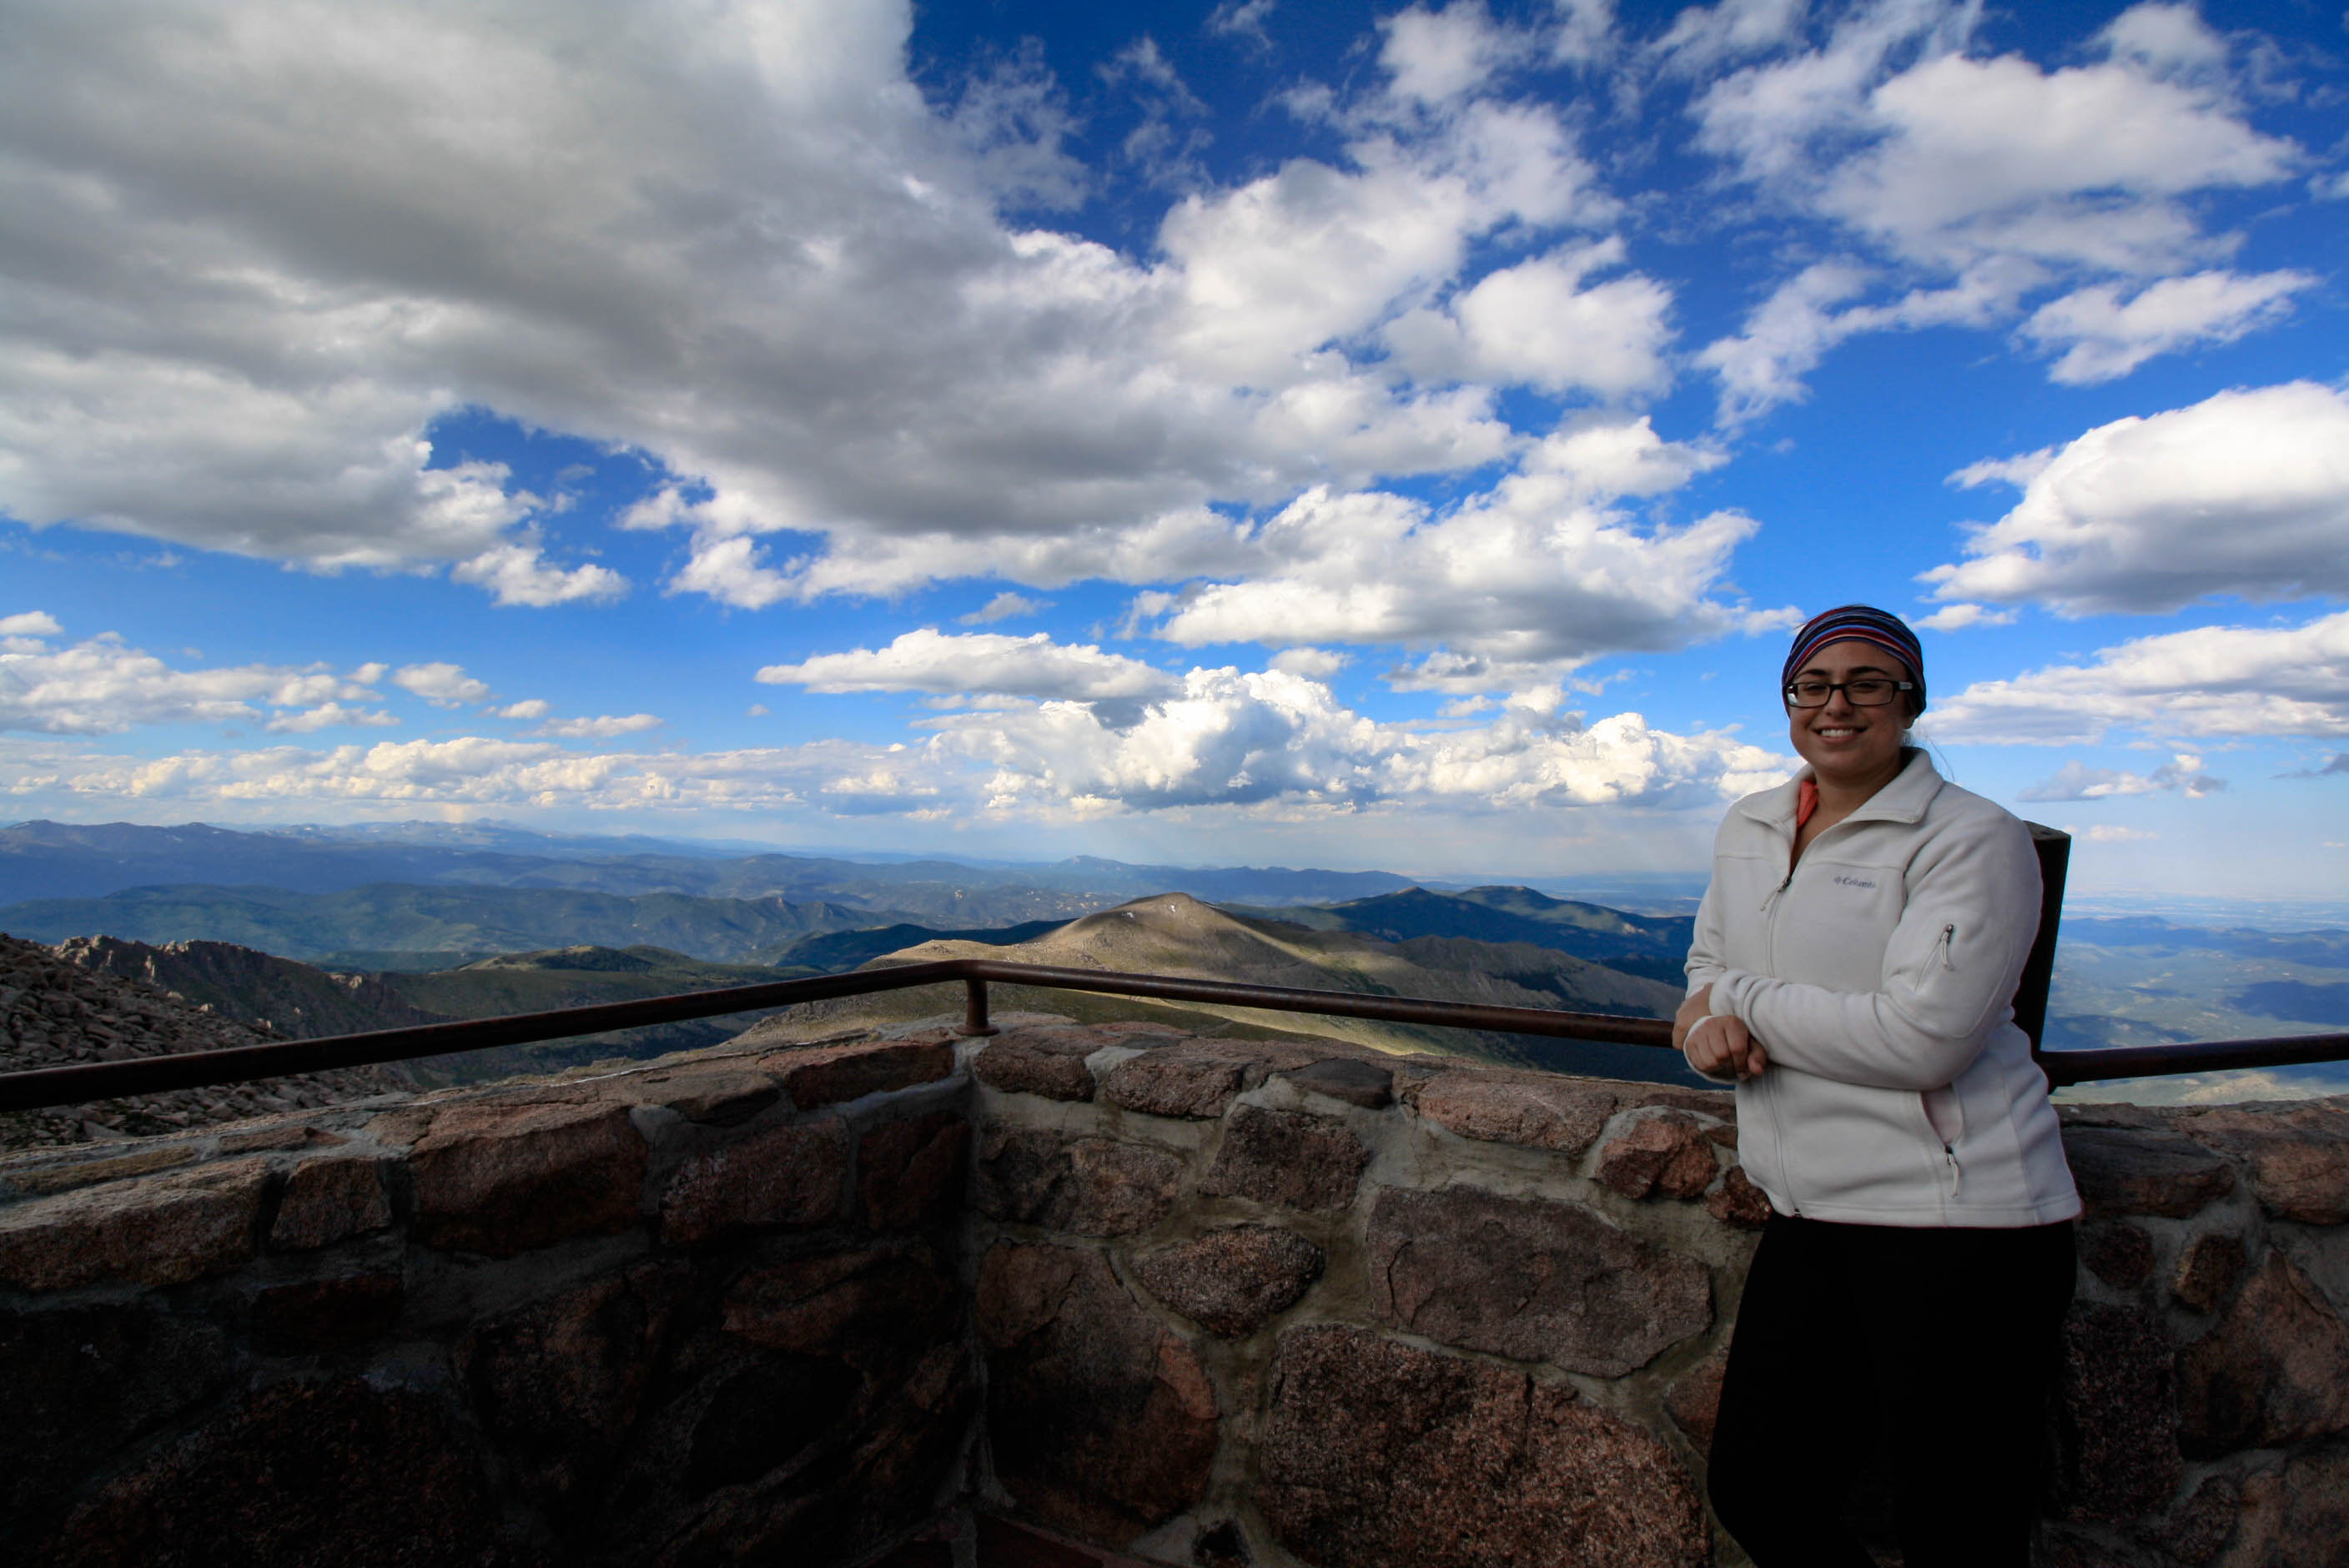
{"x": 288, "y": 999}
{"x": 401, "y": 925}
{"x": 1655, "y": 947}
{"x": 1165, "y": 934}
{"x": 1174, "y": 933}
{"x": 474, "y": 920}
{"x": 42, "y": 860}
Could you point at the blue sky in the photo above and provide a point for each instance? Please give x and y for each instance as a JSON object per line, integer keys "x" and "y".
{"x": 1337, "y": 434}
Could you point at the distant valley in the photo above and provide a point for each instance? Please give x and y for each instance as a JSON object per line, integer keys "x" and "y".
{"x": 2134, "y": 980}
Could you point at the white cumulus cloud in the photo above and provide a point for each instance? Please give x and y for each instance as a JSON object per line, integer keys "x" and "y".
{"x": 1991, "y": 160}
{"x": 2211, "y": 681}
{"x": 2079, "y": 781}
{"x": 516, "y": 573}
{"x": 1227, "y": 741}
{"x": 1966, "y": 185}
{"x": 1004, "y": 606}
{"x": 102, "y": 686}
{"x": 989, "y": 662}
{"x": 1234, "y": 737}
{"x": 1313, "y": 253}
{"x": 1539, "y": 570}
{"x": 2103, "y": 336}
{"x": 1958, "y": 617}
{"x": 1540, "y": 324}
{"x": 2246, "y": 492}
{"x": 798, "y": 296}
{"x": 440, "y": 683}
{"x": 328, "y": 715}
{"x": 599, "y": 728}
{"x": 1437, "y": 55}
{"x": 1242, "y": 19}
{"x": 1702, "y": 38}
{"x": 1313, "y": 664}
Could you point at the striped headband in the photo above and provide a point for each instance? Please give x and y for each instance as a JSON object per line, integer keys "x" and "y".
{"x": 1865, "y": 623}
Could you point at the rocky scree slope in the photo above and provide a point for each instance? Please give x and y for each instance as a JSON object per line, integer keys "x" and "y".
{"x": 56, "y": 1012}
{"x": 300, "y": 1001}
{"x": 296, "y": 1000}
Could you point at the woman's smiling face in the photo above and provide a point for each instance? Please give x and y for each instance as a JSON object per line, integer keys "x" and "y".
{"x": 1844, "y": 744}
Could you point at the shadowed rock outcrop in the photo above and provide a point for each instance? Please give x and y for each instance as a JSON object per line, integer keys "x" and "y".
{"x": 96, "y": 1000}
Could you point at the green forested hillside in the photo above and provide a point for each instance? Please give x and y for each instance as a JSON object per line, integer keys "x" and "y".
{"x": 577, "y": 976}
{"x": 831, "y": 952}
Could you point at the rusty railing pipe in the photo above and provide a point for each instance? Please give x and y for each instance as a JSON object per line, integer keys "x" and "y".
{"x": 974, "y": 1008}
{"x": 237, "y": 1064}
{"x": 76, "y": 1085}
{"x": 2107, "y": 1062}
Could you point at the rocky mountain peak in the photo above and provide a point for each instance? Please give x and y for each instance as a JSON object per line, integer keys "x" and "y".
{"x": 97, "y": 999}
{"x": 289, "y": 999}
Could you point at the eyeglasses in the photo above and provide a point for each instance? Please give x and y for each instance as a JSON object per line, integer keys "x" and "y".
{"x": 1867, "y": 691}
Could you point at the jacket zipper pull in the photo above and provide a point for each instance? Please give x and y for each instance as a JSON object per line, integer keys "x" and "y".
{"x": 1951, "y": 1156}
{"x": 1784, "y": 882}
{"x": 1949, "y": 935}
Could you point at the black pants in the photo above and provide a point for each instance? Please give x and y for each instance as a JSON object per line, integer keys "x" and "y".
{"x": 1931, "y": 1349}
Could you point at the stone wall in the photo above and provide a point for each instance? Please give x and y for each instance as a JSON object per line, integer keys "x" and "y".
{"x": 1072, "y": 1297}
{"x": 703, "y": 1312}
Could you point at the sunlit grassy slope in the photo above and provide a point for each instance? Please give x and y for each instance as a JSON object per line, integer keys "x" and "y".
{"x": 1174, "y": 933}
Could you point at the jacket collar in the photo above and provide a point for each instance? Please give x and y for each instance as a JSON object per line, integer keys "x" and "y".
{"x": 1902, "y": 800}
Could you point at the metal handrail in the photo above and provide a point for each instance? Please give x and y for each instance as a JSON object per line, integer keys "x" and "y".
{"x": 152, "y": 1075}
{"x": 2105, "y": 1062}
{"x": 76, "y": 1085}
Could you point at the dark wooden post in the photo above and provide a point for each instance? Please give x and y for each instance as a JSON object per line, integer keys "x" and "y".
{"x": 2054, "y": 848}
{"x": 974, "y": 1009}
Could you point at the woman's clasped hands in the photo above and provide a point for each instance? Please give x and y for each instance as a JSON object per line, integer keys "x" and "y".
{"x": 1716, "y": 1044}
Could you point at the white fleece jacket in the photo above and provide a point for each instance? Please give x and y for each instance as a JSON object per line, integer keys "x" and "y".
{"x": 1879, "y": 976}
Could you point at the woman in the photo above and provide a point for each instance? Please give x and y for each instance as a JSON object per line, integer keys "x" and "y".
{"x": 1853, "y": 971}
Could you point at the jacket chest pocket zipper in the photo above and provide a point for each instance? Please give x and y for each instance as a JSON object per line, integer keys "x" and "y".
{"x": 1942, "y": 948}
